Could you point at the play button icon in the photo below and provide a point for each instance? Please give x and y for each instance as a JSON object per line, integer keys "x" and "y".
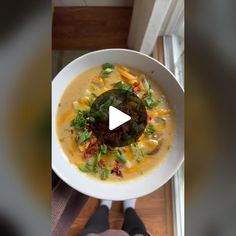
{"x": 117, "y": 118}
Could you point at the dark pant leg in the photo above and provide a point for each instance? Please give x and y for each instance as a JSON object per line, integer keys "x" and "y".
{"x": 133, "y": 224}
{"x": 98, "y": 222}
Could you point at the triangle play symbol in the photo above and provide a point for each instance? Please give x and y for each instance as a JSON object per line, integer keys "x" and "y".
{"x": 117, "y": 118}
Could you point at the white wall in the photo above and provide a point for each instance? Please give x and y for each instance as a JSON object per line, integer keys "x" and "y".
{"x": 141, "y": 15}
{"x": 146, "y": 24}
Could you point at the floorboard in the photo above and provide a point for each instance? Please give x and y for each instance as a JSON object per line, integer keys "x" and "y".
{"x": 154, "y": 209}
{"x": 90, "y": 28}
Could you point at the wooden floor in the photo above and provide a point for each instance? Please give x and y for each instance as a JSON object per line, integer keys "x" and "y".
{"x": 154, "y": 209}
{"x": 90, "y": 28}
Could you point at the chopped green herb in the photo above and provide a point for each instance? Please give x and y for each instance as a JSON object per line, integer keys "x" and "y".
{"x": 120, "y": 156}
{"x": 84, "y": 136}
{"x": 140, "y": 157}
{"x": 61, "y": 139}
{"x": 107, "y": 65}
{"x": 134, "y": 145}
{"x": 134, "y": 127}
{"x": 84, "y": 168}
{"x": 149, "y": 130}
{"x": 141, "y": 172}
{"x": 150, "y": 102}
{"x": 108, "y": 101}
{"x": 99, "y": 156}
{"x": 81, "y": 120}
{"x": 156, "y": 102}
{"x": 93, "y": 95}
{"x": 83, "y": 112}
{"x": 128, "y": 138}
{"x": 95, "y": 169}
{"x": 103, "y": 149}
{"x": 108, "y": 70}
{"x": 59, "y": 104}
{"x": 90, "y": 102}
{"x": 90, "y": 163}
{"x": 122, "y": 85}
{"x": 149, "y": 90}
{"x": 91, "y": 99}
{"x": 137, "y": 152}
{"x": 102, "y": 115}
{"x": 105, "y": 174}
{"x": 91, "y": 119}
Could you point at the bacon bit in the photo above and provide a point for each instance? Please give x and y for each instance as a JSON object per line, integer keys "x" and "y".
{"x": 149, "y": 118}
{"x": 144, "y": 95}
{"x": 117, "y": 169}
{"x": 102, "y": 163}
{"x": 136, "y": 87}
{"x": 91, "y": 150}
{"x": 87, "y": 155}
{"x": 94, "y": 139}
{"x": 109, "y": 148}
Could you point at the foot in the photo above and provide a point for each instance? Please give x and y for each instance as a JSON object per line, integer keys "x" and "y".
{"x": 107, "y": 203}
{"x": 129, "y": 204}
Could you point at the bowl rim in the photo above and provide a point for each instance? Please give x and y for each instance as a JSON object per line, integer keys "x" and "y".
{"x": 71, "y": 183}
{"x": 117, "y": 49}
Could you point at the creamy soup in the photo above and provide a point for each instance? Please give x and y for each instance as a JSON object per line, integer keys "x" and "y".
{"x": 91, "y": 156}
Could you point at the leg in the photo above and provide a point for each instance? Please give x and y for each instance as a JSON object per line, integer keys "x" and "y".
{"x": 132, "y": 223}
{"x": 98, "y": 222}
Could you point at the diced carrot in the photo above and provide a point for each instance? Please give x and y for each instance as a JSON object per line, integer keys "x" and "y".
{"x": 84, "y": 100}
{"x": 127, "y": 76}
{"x": 98, "y": 81}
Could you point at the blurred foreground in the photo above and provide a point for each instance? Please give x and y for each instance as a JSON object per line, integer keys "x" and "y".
{"x": 210, "y": 66}
{"x": 25, "y": 169}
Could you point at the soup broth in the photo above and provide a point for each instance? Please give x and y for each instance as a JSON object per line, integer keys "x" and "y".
{"x": 97, "y": 159}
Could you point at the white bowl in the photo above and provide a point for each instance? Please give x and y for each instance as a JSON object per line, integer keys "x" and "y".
{"x": 131, "y": 188}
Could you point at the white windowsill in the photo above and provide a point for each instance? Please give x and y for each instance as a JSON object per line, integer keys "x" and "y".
{"x": 173, "y": 54}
